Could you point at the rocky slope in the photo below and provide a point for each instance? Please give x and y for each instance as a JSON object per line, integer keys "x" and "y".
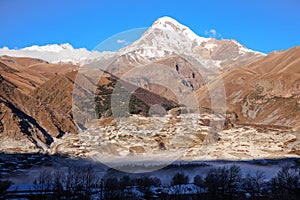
{"x": 26, "y": 118}
{"x": 265, "y": 91}
{"x": 36, "y": 102}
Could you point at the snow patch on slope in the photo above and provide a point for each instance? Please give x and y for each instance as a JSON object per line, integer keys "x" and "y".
{"x": 210, "y": 46}
{"x": 243, "y": 50}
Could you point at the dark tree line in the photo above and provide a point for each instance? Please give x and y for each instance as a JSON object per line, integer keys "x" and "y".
{"x": 75, "y": 183}
{"x": 229, "y": 182}
{"x": 218, "y": 183}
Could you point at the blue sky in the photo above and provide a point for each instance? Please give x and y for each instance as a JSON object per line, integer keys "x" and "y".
{"x": 264, "y": 25}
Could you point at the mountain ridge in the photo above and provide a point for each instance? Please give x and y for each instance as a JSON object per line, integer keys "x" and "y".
{"x": 66, "y": 53}
{"x": 166, "y": 37}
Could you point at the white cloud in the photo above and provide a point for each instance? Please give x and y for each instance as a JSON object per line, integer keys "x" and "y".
{"x": 212, "y": 33}
{"x": 120, "y": 41}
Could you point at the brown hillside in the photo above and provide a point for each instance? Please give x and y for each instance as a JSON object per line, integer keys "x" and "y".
{"x": 266, "y": 91}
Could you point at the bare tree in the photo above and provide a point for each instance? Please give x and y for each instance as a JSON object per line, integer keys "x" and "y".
{"x": 58, "y": 179}
{"x": 80, "y": 182}
{"x": 286, "y": 184}
{"x": 112, "y": 188}
{"x": 144, "y": 184}
{"x": 4, "y": 185}
{"x": 223, "y": 180}
{"x": 44, "y": 182}
{"x": 253, "y": 184}
{"x": 179, "y": 178}
{"x": 233, "y": 180}
{"x": 72, "y": 182}
{"x": 178, "y": 182}
{"x": 199, "y": 181}
{"x": 89, "y": 180}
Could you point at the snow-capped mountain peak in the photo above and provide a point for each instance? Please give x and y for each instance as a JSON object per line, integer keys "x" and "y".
{"x": 167, "y": 37}
{"x": 167, "y": 22}
{"x": 170, "y": 24}
{"x": 50, "y": 47}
